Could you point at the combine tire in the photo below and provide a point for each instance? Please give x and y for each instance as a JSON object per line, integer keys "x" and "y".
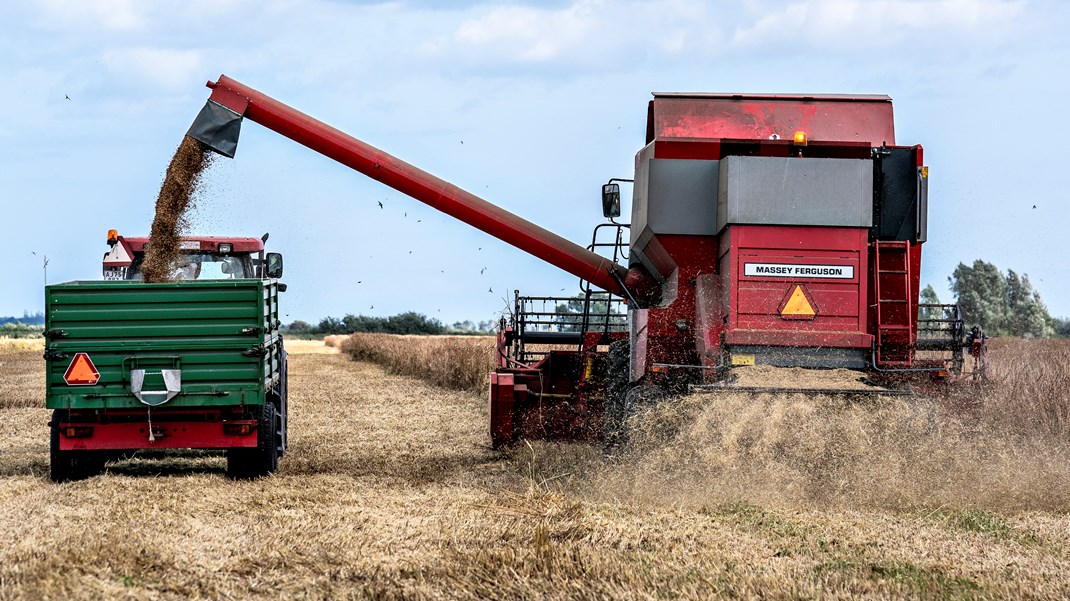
{"x": 67, "y": 466}
{"x": 642, "y": 398}
{"x": 247, "y": 463}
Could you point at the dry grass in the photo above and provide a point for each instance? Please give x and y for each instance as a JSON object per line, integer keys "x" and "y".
{"x": 454, "y": 362}
{"x": 390, "y": 492}
{"x": 22, "y": 372}
{"x": 1030, "y": 391}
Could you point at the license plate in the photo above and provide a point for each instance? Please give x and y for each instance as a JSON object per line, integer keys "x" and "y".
{"x": 742, "y": 360}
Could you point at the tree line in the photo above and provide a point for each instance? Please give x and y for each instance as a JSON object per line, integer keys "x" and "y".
{"x": 409, "y": 322}
{"x": 1004, "y": 304}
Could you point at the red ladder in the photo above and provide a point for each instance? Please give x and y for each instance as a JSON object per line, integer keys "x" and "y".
{"x": 895, "y": 303}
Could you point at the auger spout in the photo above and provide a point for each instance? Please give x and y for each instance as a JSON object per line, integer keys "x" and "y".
{"x": 219, "y": 124}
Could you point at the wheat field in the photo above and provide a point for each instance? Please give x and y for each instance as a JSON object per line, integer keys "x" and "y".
{"x": 390, "y": 491}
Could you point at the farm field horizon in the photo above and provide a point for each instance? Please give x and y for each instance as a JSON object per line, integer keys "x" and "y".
{"x": 390, "y": 490}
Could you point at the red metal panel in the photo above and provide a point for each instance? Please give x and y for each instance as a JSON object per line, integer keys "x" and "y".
{"x": 418, "y": 184}
{"x": 168, "y": 435}
{"x": 501, "y": 409}
{"x": 825, "y": 118}
{"x": 754, "y": 301}
{"x": 207, "y": 243}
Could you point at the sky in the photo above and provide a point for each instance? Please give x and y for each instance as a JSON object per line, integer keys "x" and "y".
{"x": 531, "y": 105}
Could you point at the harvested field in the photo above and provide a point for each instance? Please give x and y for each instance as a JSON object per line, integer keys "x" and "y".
{"x": 390, "y": 491}
{"x": 21, "y": 370}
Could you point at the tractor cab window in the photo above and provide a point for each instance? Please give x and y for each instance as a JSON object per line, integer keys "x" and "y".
{"x": 203, "y": 266}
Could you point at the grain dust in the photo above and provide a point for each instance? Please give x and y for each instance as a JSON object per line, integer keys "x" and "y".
{"x": 176, "y": 197}
{"x": 803, "y": 450}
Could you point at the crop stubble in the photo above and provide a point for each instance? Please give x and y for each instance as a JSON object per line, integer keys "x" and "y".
{"x": 390, "y": 492}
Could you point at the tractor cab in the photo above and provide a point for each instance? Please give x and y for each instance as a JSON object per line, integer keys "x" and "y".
{"x": 200, "y": 258}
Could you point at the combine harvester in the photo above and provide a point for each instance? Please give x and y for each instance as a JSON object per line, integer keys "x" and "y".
{"x": 779, "y": 230}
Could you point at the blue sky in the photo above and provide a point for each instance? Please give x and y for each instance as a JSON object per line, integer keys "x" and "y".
{"x": 530, "y": 105}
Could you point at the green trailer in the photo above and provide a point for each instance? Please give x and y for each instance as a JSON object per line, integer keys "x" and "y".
{"x": 185, "y": 365}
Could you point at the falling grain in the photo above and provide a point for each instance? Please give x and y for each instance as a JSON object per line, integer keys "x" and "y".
{"x": 176, "y": 196}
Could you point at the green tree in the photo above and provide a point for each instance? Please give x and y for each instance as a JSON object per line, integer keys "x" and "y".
{"x": 981, "y": 291}
{"x": 1027, "y": 316}
{"x": 1062, "y": 327}
{"x": 299, "y": 327}
{"x": 331, "y": 325}
{"x": 569, "y": 314}
{"x": 929, "y": 297}
{"x": 413, "y": 323}
{"x": 1004, "y": 305}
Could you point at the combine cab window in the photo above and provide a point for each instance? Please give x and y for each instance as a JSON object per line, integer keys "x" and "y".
{"x": 204, "y": 266}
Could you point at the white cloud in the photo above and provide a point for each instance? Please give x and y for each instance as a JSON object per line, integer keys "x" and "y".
{"x": 531, "y": 34}
{"x": 859, "y": 23}
{"x": 120, "y": 15}
{"x": 574, "y": 37}
{"x": 161, "y": 67}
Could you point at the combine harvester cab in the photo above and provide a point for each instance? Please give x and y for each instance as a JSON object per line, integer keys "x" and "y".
{"x": 197, "y": 363}
{"x": 778, "y": 230}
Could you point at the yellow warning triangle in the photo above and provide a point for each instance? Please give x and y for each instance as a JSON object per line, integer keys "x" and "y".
{"x": 798, "y": 304}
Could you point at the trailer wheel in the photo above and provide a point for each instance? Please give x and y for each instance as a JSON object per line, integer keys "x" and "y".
{"x": 247, "y": 463}
{"x": 67, "y": 466}
{"x": 613, "y": 412}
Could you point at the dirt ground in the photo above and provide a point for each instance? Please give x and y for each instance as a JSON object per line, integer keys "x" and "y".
{"x": 390, "y": 491}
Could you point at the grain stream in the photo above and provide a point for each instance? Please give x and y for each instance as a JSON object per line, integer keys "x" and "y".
{"x": 176, "y": 198}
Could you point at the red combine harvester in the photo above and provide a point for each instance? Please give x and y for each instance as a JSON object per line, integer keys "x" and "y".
{"x": 781, "y": 230}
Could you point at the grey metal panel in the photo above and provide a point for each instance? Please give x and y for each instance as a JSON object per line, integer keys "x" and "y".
{"x": 682, "y": 196}
{"x": 640, "y": 199}
{"x": 217, "y": 127}
{"x": 923, "y": 204}
{"x": 795, "y": 191}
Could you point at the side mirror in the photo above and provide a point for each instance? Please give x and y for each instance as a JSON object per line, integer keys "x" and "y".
{"x": 611, "y": 200}
{"x": 274, "y": 265}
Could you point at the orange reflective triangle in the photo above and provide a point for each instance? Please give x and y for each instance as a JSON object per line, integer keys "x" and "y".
{"x": 798, "y": 304}
{"x": 81, "y": 371}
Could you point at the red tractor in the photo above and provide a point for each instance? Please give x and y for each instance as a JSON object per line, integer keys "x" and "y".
{"x": 781, "y": 230}
{"x": 200, "y": 258}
